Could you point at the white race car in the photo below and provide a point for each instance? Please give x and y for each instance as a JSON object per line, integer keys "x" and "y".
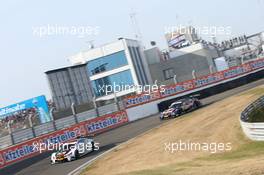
{"x": 73, "y": 150}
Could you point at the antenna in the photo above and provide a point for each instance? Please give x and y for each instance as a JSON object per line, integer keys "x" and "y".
{"x": 135, "y": 26}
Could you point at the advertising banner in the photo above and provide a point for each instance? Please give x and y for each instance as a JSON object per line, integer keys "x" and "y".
{"x": 176, "y": 41}
{"x": 235, "y": 71}
{"x": 37, "y": 105}
{"x": 177, "y": 88}
{"x": 257, "y": 64}
{"x": 209, "y": 79}
{"x": 141, "y": 99}
{"x": 106, "y": 122}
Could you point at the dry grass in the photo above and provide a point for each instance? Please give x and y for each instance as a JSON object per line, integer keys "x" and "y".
{"x": 218, "y": 123}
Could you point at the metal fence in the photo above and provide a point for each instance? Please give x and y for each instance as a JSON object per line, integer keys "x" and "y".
{"x": 35, "y": 131}
{"x": 255, "y": 130}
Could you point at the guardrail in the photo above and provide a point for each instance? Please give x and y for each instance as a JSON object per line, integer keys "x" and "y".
{"x": 255, "y": 130}
{"x": 36, "y": 131}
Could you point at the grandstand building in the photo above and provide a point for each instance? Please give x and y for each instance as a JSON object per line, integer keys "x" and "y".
{"x": 118, "y": 63}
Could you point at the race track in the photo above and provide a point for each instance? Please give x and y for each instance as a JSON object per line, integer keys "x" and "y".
{"x": 40, "y": 165}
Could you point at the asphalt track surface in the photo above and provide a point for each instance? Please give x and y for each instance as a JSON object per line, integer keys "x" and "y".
{"x": 40, "y": 165}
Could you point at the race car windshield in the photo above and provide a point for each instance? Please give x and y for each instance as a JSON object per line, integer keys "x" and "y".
{"x": 66, "y": 147}
{"x": 176, "y": 106}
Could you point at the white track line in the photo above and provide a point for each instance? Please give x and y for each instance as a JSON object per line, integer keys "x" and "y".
{"x": 79, "y": 169}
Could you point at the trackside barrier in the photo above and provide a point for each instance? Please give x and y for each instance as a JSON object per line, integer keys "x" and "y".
{"x": 254, "y": 131}
{"x": 148, "y": 102}
{"x": 28, "y": 149}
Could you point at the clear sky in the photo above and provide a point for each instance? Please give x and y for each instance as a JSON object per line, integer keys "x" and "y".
{"x": 25, "y": 56}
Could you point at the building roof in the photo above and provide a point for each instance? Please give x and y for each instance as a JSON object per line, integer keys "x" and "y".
{"x": 64, "y": 68}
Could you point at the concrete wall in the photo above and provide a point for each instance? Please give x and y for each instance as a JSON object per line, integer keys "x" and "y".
{"x": 138, "y": 112}
{"x": 183, "y": 61}
{"x": 153, "y": 55}
{"x": 182, "y": 67}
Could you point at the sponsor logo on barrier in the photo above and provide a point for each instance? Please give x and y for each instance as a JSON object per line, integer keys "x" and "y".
{"x": 61, "y": 137}
{"x": 178, "y": 88}
{"x": 234, "y": 72}
{"x": 2, "y": 161}
{"x": 258, "y": 64}
{"x": 142, "y": 98}
{"x": 18, "y": 152}
{"x": 209, "y": 79}
{"x": 106, "y": 122}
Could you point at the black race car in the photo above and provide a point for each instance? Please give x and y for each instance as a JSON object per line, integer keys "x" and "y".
{"x": 180, "y": 107}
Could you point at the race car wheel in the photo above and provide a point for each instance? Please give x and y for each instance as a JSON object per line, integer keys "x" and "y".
{"x": 77, "y": 155}
{"x": 69, "y": 159}
{"x": 92, "y": 146}
{"x": 180, "y": 112}
{"x": 194, "y": 106}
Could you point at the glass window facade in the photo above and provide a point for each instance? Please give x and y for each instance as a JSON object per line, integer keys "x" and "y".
{"x": 138, "y": 64}
{"x": 107, "y": 63}
{"x": 108, "y": 83}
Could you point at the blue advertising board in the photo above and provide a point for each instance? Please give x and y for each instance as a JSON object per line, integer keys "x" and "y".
{"x": 38, "y": 103}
